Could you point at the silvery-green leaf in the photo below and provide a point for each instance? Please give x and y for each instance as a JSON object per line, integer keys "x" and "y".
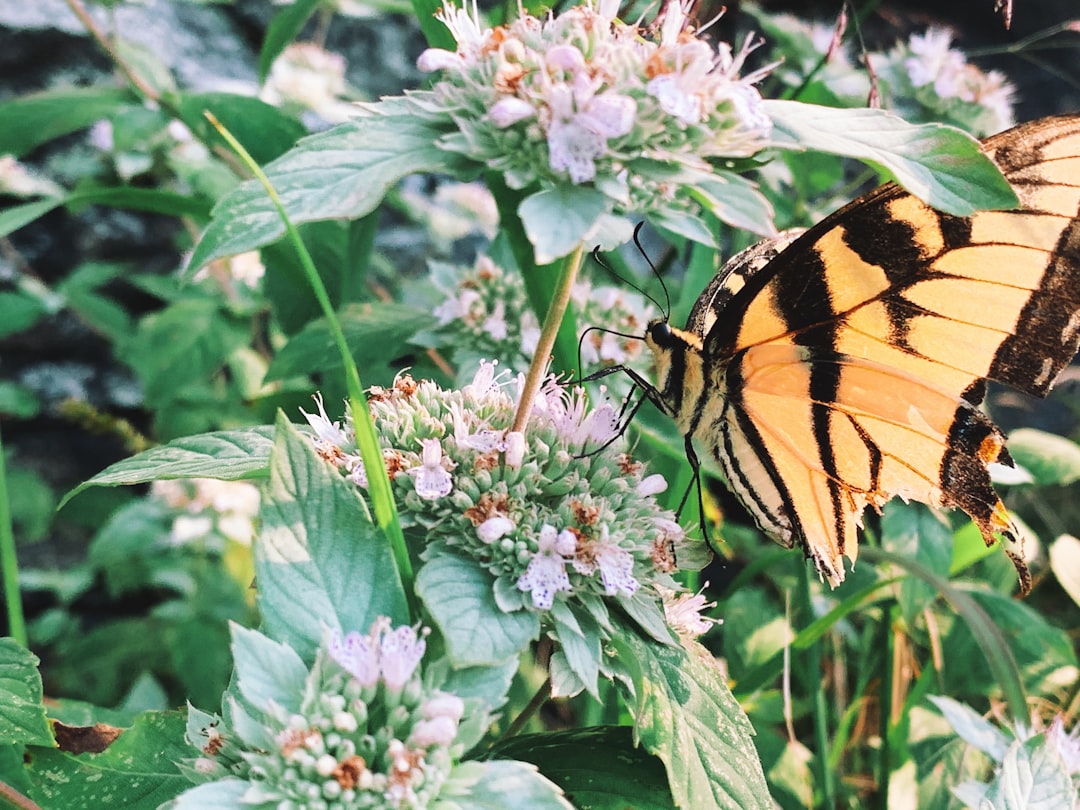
{"x": 267, "y": 670}
{"x": 972, "y": 727}
{"x": 937, "y": 163}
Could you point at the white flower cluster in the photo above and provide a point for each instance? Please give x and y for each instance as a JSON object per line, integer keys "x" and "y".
{"x": 368, "y": 734}
{"x": 948, "y": 84}
{"x": 586, "y": 98}
{"x": 209, "y": 508}
{"x": 924, "y": 79}
{"x": 545, "y": 511}
{"x": 309, "y": 77}
{"x": 486, "y": 313}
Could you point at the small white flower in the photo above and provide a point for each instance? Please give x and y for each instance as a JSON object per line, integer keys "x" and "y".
{"x": 581, "y": 124}
{"x": 237, "y": 528}
{"x": 434, "y": 59}
{"x": 1066, "y": 743}
{"x": 400, "y": 651}
{"x": 615, "y": 564}
{"x": 345, "y": 721}
{"x": 484, "y": 440}
{"x": 465, "y": 306}
{"x": 431, "y": 478}
{"x": 566, "y": 543}
{"x": 187, "y": 528}
{"x": 494, "y": 528}
{"x": 683, "y": 613}
{"x": 357, "y": 473}
{"x": 546, "y": 574}
{"x": 325, "y": 765}
{"x": 437, "y": 731}
{"x": 495, "y": 323}
{"x": 486, "y": 383}
{"x": 325, "y": 430}
{"x": 442, "y": 704}
{"x": 652, "y": 485}
{"x": 356, "y": 654}
{"x": 515, "y": 449}
{"x": 565, "y": 58}
{"x": 508, "y": 110}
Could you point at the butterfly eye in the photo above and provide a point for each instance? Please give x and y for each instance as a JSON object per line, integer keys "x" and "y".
{"x": 660, "y": 334}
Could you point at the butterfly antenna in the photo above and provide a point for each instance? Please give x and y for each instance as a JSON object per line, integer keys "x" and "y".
{"x": 667, "y": 297}
{"x": 629, "y": 283}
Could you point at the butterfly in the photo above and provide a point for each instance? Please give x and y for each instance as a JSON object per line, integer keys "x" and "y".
{"x": 837, "y": 368}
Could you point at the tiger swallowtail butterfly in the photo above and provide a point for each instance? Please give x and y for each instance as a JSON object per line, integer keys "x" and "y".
{"x": 837, "y": 368}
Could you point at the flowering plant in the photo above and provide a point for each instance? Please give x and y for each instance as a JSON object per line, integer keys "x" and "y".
{"x": 468, "y": 538}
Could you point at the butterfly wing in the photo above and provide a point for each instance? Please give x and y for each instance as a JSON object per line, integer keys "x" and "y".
{"x": 851, "y": 363}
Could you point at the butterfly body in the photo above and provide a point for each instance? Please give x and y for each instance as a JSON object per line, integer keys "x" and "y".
{"x": 835, "y": 369}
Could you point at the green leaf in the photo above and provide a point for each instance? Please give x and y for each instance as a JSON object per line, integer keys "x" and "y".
{"x": 267, "y": 671}
{"x": 319, "y": 560}
{"x": 285, "y": 26}
{"x": 502, "y": 785}
{"x": 599, "y": 768}
{"x": 136, "y": 772}
{"x": 138, "y": 199}
{"x": 972, "y": 727}
{"x": 1042, "y": 652}
{"x": 22, "y": 714}
{"x": 733, "y": 199}
{"x": 459, "y": 595}
{"x": 224, "y": 794}
{"x": 374, "y": 332}
{"x": 18, "y": 311}
{"x": 580, "y": 647}
{"x": 141, "y": 199}
{"x": 34, "y": 119}
{"x": 341, "y": 251}
{"x": 436, "y": 34}
{"x": 345, "y": 172}
{"x": 685, "y": 714}
{"x": 688, "y": 226}
{"x": 1051, "y": 459}
{"x": 916, "y": 531}
{"x": 938, "y": 164}
{"x": 81, "y": 291}
{"x": 183, "y": 344}
{"x": 262, "y": 129}
{"x": 229, "y": 455}
{"x": 1065, "y": 563}
{"x": 1033, "y": 776}
{"x": 18, "y": 401}
{"x": 560, "y": 219}
{"x": 18, "y": 216}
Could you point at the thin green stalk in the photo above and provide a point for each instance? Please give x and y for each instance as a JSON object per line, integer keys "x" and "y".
{"x": 825, "y": 778}
{"x": 559, "y": 303}
{"x": 885, "y": 704}
{"x": 984, "y": 631}
{"x": 9, "y": 562}
{"x": 382, "y": 497}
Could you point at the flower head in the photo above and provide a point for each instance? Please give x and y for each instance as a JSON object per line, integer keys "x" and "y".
{"x": 583, "y": 98}
{"x": 392, "y": 743}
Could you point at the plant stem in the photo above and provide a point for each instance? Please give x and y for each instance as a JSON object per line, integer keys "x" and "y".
{"x": 9, "y": 562}
{"x": 559, "y": 303}
{"x": 16, "y": 799}
{"x": 542, "y": 694}
{"x": 821, "y": 711}
{"x": 382, "y": 497}
{"x": 79, "y": 10}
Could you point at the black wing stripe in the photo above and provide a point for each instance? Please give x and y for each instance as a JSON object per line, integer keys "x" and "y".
{"x": 1051, "y": 311}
